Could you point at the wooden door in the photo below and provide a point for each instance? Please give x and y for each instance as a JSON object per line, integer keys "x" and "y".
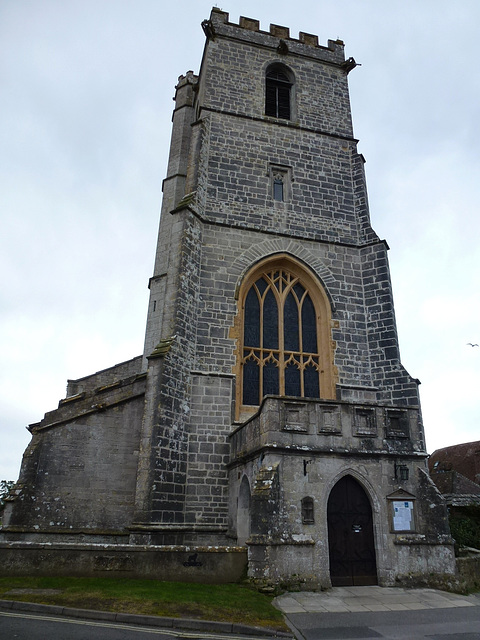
{"x": 350, "y": 535}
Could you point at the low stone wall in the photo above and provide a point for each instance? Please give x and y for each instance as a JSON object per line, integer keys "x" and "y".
{"x": 465, "y": 579}
{"x": 468, "y": 572}
{"x": 213, "y": 565}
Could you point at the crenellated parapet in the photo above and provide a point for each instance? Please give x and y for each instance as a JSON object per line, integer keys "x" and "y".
{"x": 278, "y": 37}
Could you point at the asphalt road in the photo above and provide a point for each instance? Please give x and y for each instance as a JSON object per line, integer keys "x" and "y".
{"x": 26, "y": 626}
{"x": 462, "y": 623}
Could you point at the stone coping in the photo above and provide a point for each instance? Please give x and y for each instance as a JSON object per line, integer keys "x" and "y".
{"x": 132, "y": 548}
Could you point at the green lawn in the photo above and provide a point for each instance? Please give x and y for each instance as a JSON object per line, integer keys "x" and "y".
{"x": 226, "y": 602}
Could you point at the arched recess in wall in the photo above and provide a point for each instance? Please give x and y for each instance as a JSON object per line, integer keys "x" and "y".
{"x": 243, "y": 512}
{"x": 284, "y": 343}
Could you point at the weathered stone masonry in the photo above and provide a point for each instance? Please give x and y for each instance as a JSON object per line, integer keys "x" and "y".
{"x": 259, "y": 211}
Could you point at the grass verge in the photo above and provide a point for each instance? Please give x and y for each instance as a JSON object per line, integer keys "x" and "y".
{"x": 226, "y": 602}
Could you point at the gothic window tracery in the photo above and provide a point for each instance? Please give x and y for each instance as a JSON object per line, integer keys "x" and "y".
{"x": 285, "y": 346}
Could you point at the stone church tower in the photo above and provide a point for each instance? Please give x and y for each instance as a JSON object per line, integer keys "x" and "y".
{"x": 270, "y": 409}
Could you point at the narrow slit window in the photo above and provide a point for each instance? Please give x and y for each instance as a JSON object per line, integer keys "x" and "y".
{"x": 280, "y": 177}
{"x": 278, "y": 189}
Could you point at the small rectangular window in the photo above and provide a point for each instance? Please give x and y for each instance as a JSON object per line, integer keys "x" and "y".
{"x": 278, "y": 189}
{"x": 307, "y": 511}
{"x": 401, "y": 472}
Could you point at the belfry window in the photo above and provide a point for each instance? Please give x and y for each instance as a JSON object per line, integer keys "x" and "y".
{"x": 285, "y": 349}
{"x": 278, "y": 93}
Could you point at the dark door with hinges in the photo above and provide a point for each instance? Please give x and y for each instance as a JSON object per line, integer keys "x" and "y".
{"x": 350, "y": 535}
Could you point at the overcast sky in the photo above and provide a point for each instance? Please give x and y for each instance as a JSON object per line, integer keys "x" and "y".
{"x": 85, "y": 114}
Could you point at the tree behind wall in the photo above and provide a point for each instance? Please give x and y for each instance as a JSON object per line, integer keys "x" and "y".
{"x": 465, "y": 526}
{"x": 5, "y": 486}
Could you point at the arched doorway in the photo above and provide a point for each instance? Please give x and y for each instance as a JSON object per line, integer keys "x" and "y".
{"x": 243, "y": 512}
{"x": 350, "y": 535}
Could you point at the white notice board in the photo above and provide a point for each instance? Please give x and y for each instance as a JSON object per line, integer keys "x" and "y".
{"x": 402, "y": 515}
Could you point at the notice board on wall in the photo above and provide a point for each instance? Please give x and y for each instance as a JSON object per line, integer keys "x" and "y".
{"x": 402, "y": 515}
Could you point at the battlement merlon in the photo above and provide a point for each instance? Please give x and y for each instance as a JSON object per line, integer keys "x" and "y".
{"x": 278, "y": 37}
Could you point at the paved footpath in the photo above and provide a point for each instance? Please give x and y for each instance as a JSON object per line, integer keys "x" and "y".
{"x": 381, "y": 612}
{"x": 356, "y": 599}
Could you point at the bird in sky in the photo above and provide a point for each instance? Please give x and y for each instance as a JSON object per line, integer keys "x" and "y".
{"x": 472, "y": 345}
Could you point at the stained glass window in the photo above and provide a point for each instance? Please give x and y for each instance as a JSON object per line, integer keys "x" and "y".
{"x": 292, "y": 380}
{"x": 280, "y": 352}
{"x": 270, "y": 321}
{"x": 290, "y": 323}
{"x": 250, "y": 382}
{"x": 270, "y": 378}
{"x": 310, "y": 381}
{"x": 309, "y": 326}
{"x": 252, "y": 319}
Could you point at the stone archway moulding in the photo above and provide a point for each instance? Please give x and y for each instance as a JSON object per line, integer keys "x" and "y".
{"x": 361, "y": 479}
{"x": 272, "y": 246}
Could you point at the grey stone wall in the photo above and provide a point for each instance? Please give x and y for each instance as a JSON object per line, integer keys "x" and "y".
{"x": 232, "y": 76}
{"x": 79, "y": 471}
{"x": 366, "y": 355}
{"x": 105, "y": 378}
{"x": 329, "y": 427}
{"x": 321, "y": 205}
{"x": 214, "y": 565}
{"x": 218, "y": 219}
{"x": 289, "y": 452}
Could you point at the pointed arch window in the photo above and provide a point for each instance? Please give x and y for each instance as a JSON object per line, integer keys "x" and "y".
{"x": 285, "y": 344}
{"x": 278, "y": 90}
